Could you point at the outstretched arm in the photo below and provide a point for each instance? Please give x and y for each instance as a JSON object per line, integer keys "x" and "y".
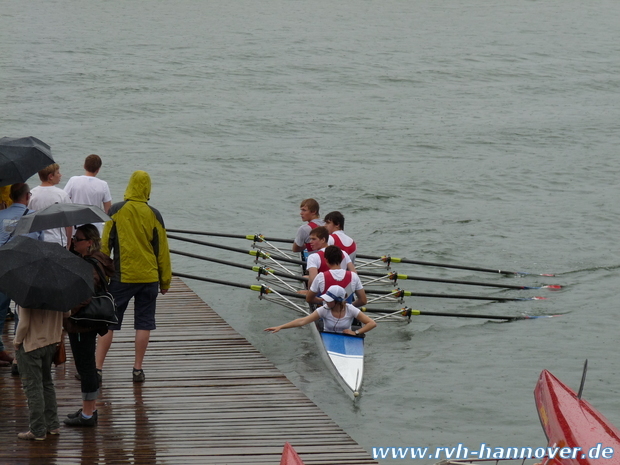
{"x": 314, "y": 316}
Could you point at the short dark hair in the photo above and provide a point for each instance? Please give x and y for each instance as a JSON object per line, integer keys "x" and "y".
{"x": 312, "y": 205}
{"x": 336, "y": 218}
{"x": 92, "y": 163}
{"x": 333, "y": 255}
{"x": 18, "y": 191}
{"x": 320, "y": 232}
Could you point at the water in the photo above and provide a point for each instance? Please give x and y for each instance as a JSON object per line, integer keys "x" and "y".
{"x": 469, "y": 132}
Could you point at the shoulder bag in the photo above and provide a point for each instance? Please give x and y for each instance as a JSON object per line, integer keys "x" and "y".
{"x": 101, "y": 308}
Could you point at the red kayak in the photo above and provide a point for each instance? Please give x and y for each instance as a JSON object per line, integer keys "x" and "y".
{"x": 289, "y": 456}
{"x": 577, "y": 433}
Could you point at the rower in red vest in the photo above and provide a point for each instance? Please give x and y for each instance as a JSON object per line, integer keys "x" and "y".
{"x": 309, "y": 211}
{"x": 334, "y": 222}
{"x": 316, "y": 262}
{"x": 336, "y": 276}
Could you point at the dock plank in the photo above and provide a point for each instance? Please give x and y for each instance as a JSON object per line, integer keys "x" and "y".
{"x": 209, "y": 398}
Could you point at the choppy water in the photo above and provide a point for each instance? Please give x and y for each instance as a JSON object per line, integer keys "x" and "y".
{"x": 471, "y": 132}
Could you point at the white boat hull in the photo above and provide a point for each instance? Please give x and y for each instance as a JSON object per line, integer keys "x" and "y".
{"x": 344, "y": 355}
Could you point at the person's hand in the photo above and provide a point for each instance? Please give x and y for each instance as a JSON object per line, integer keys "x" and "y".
{"x": 163, "y": 291}
{"x": 349, "y": 332}
{"x": 273, "y": 329}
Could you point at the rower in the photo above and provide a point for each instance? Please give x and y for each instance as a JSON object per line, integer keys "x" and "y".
{"x": 334, "y": 222}
{"x": 336, "y": 276}
{"x": 309, "y": 211}
{"x": 337, "y": 315}
{"x": 316, "y": 262}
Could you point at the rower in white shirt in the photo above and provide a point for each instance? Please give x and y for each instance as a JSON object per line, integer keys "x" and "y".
{"x": 316, "y": 262}
{"x": 334, "y": 222}
{"x": 336, "y": 276}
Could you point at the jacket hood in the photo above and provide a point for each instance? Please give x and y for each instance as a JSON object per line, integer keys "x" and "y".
{"x": 139, "y": 187}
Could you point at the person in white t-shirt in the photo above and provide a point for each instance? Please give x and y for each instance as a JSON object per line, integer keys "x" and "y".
{"x": 316, "y": 262}
{"x": 337, "y": 315}
{"x": 334, "y": 222}
{"x": 88, "y": 189}
{"x": 48, "y": 194}
{"x": 336, "y": 276}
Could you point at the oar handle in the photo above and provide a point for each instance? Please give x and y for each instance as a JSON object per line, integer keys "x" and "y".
{"x": 251, "y": 237}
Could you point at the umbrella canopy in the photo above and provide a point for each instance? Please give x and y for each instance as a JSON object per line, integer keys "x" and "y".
{"x": 59, "y": 215}
{"x": 21, "y": 157}
{"x": 44, "y": 275}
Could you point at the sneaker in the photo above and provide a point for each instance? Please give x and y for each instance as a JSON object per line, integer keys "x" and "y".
{"x": 54, "y": 432}
{"x": 14, "y": 370}
{"x": 138, "y": 376}
{"x": 29, "y": 436}
{"x": 79, "y": 413}
{"x": 80, "y": 421}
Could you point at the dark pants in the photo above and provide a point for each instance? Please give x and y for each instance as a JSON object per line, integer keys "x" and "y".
{"x": 35, "y": 369}
{"x": 83, "y": 347}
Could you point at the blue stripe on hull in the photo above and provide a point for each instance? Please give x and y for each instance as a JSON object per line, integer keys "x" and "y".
{"x": 343, "y": 344}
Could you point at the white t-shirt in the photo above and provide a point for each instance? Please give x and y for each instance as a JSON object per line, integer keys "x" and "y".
{"x": 337, "y": 325}
{"x": 89, "y": 190}
{"x": 43, "y": 197}
{"x": 314, "y": 260}
{"x": 318, "y": 285}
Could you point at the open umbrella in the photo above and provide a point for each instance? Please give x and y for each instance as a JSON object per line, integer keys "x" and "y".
{"x": 21, "y": 157}
{"x": 44, "y": 275}
{"x": 59, "y": 215}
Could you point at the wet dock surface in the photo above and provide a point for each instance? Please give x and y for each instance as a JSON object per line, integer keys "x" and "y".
{"x": 209, "y": 398}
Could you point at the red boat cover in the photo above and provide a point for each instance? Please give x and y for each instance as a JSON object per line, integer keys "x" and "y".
{"x": 289, "y": 456}
{"x": 572, "y": 422}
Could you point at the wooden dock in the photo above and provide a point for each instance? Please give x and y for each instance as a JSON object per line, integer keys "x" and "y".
{"x": 209, "y": 398}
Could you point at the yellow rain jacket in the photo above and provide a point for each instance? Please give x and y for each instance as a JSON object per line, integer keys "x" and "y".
{"x": 136, "y": 237}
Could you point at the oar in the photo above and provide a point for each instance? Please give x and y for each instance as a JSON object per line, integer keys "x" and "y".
{"x": 250, "y": 237}
{"x": 258, "y": 269}
{"x": 389, "y": 259}
{"x": 408, "y": 311}
{"x": 395, "y": 276}
{"x": 401, "y": 293}
{"x": 385, "y": 258}
{"x": 253, "y": 287}
{"x": 255, "y": 253}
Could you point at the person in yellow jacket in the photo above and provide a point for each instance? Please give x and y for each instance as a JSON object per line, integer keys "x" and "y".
{"x": 136, "y": 240}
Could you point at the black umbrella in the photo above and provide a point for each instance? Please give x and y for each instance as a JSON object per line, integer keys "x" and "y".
{"x": 21, "y": 157}
{"x": 59, "y": 215}
{"x": 44, "y": 275}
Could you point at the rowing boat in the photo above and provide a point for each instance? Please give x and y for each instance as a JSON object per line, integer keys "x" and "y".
{"x": 569, "y": 421}
{"x": 279, "y": 270}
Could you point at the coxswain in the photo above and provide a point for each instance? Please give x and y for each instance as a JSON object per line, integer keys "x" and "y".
{"x": 337, "y": 315}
